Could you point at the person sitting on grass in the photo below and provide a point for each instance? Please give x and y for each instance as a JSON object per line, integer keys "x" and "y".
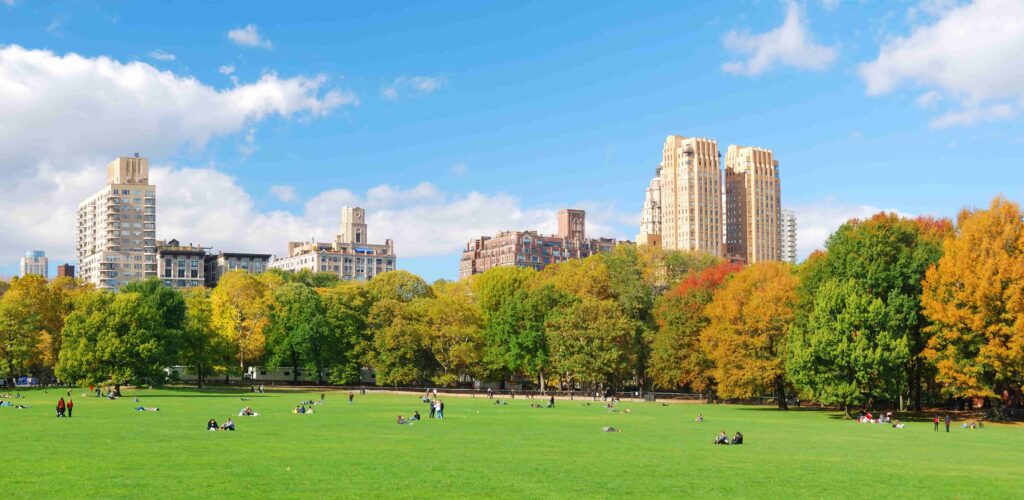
{"x": 737, "y": 439}
{"x": 228, "y": 426}
{"x": 415, "y": 415}
{"x": 722, "y": 438}
{"x": 896, "y": 424}
{"x": 402, "y": 421}
{"x": 700, "y": 418}
{"x": 212, "y": 425}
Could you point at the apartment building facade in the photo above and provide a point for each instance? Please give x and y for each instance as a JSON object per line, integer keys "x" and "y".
{"x": 180, "y": 266}
{"x": 690, "y": 184}
{"x": 116, "y": 232}
{"x": 350, "y": 256}
{"x": 752, "y": 205}
{"x": 788, "y": 236}
{"x": 65, "y": 270}
{"x": 35, "y": 262}
{"x": 217, "y": 264}
{"x": 531, "y": 249}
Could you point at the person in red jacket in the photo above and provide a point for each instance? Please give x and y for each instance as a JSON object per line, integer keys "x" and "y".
{"x": 60, "y": 408}
{"x": 71, "y": 406}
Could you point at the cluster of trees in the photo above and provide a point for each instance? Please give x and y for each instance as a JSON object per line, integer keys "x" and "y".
{"x": 895, "y": 310}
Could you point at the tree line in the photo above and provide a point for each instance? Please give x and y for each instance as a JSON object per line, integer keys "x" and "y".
{"x": 894, "y": 310}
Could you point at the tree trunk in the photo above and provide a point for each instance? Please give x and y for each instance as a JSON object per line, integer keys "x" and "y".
{"x": 199, "y": 378}
{"x": 780, "y": 391}
{"x": 542, "y": 381}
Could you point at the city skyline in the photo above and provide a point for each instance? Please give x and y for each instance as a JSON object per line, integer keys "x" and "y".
{"x": 468, "y": 120}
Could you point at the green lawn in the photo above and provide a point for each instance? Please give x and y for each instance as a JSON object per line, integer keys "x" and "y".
{"x": 483, "y": 450}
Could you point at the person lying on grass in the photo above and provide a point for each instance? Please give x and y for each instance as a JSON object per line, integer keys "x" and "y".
{"x": 247, "y": 412}
{"x": 143, "y": 408}
{"x": 610, "y": 429}
{"x": 403, "y": 421}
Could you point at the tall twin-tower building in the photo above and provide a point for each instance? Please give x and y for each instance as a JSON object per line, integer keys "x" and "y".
{"x": 690, "y": 205}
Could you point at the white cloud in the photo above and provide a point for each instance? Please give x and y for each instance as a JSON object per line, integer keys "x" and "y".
{"x": 412, "y": 85}
{"x": 160, "y": 55}
{"x": 226, "y": 69}
{"x": 70, "y": 109}
{"x": 283, "y": 193}
{"x": 249, "y": 36}
{"x": 817, "y": 221}
{"x": 967, "y": 54}
{"x": 66, "y": 116}
{"x": 789, "y": 44}
{"x": 57, "y": 23}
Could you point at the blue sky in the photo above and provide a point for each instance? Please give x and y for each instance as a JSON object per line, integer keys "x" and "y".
{"x": 448, "y": 119}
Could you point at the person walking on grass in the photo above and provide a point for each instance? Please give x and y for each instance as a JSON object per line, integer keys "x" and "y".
{"x": 71, "y": 406}
{"x": 948, "y": 420}
{"x": 60, "y": 408}
{"x": 936, "y": 420}
{"x": 440, "y": 409}
{"x": 351, "y": 396}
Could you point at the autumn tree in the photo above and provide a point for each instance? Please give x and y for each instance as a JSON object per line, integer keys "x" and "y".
{"x": 240, "y": 304}
{"x": 974, "y": 298}
{"x": 498, "y": 284}
{"x": 21, "y": 336}
{"x": 748, "y": 320}
{"x": 677, "y": 358}
{"x": 455, "y": 326}
{"x": 203, "y": 351}
{"x": 400, "y": 336}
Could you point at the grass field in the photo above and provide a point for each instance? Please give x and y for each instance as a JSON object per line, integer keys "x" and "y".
{"x": 483, "y": 450}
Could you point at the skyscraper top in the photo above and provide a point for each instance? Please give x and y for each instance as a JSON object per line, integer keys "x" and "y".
{"x": 128, "y": 170}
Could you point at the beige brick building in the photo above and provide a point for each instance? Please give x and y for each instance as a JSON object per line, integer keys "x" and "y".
{"x": 532, "y": 249}
{"x": 753, "y": 205}
{"x": 117, "y": 227}
{"x": 350, "y": 256}
{"x": 690, "y": 184}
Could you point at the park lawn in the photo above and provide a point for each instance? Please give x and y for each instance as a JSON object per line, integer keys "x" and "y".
{"x": 482, "y": 450}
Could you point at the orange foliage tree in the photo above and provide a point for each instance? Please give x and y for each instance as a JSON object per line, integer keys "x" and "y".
{"x": 974, "y": 298}
{"x": 748, "y": 321}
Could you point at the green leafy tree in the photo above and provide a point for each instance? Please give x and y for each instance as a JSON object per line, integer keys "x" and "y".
{"x": 498, "y": 284}
{"x": 635, "y": 298}
{"x": 886, "y": 257}
{"x": 299, "y": 333}
{"x": 843, "y": 351}
{"x": 515, "y": 337}
{"x": 590, "y": 343}
{"x": 115, "y": 339}
{"x": 346, "y": 310}
{"x": 402, "y": 286}
{"x": 402, "y": 342}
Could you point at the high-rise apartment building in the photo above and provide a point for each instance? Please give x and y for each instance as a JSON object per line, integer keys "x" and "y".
{"x": 691, "y": 195}
{"x": 788, "y": 236}
{"x": 35, "y": 262}
{"x": 532, "y": 249}
{"x": 117, "y": 227}
{"x": 350, "y": 256}
{"x": 753, "y": 205}
{"x": 650, "y": 214}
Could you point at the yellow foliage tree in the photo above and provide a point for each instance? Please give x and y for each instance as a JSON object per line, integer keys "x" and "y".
{"x": 241, "y": 303}
{"x": 748, "y": 321}
{"x": 974, "y": 298}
